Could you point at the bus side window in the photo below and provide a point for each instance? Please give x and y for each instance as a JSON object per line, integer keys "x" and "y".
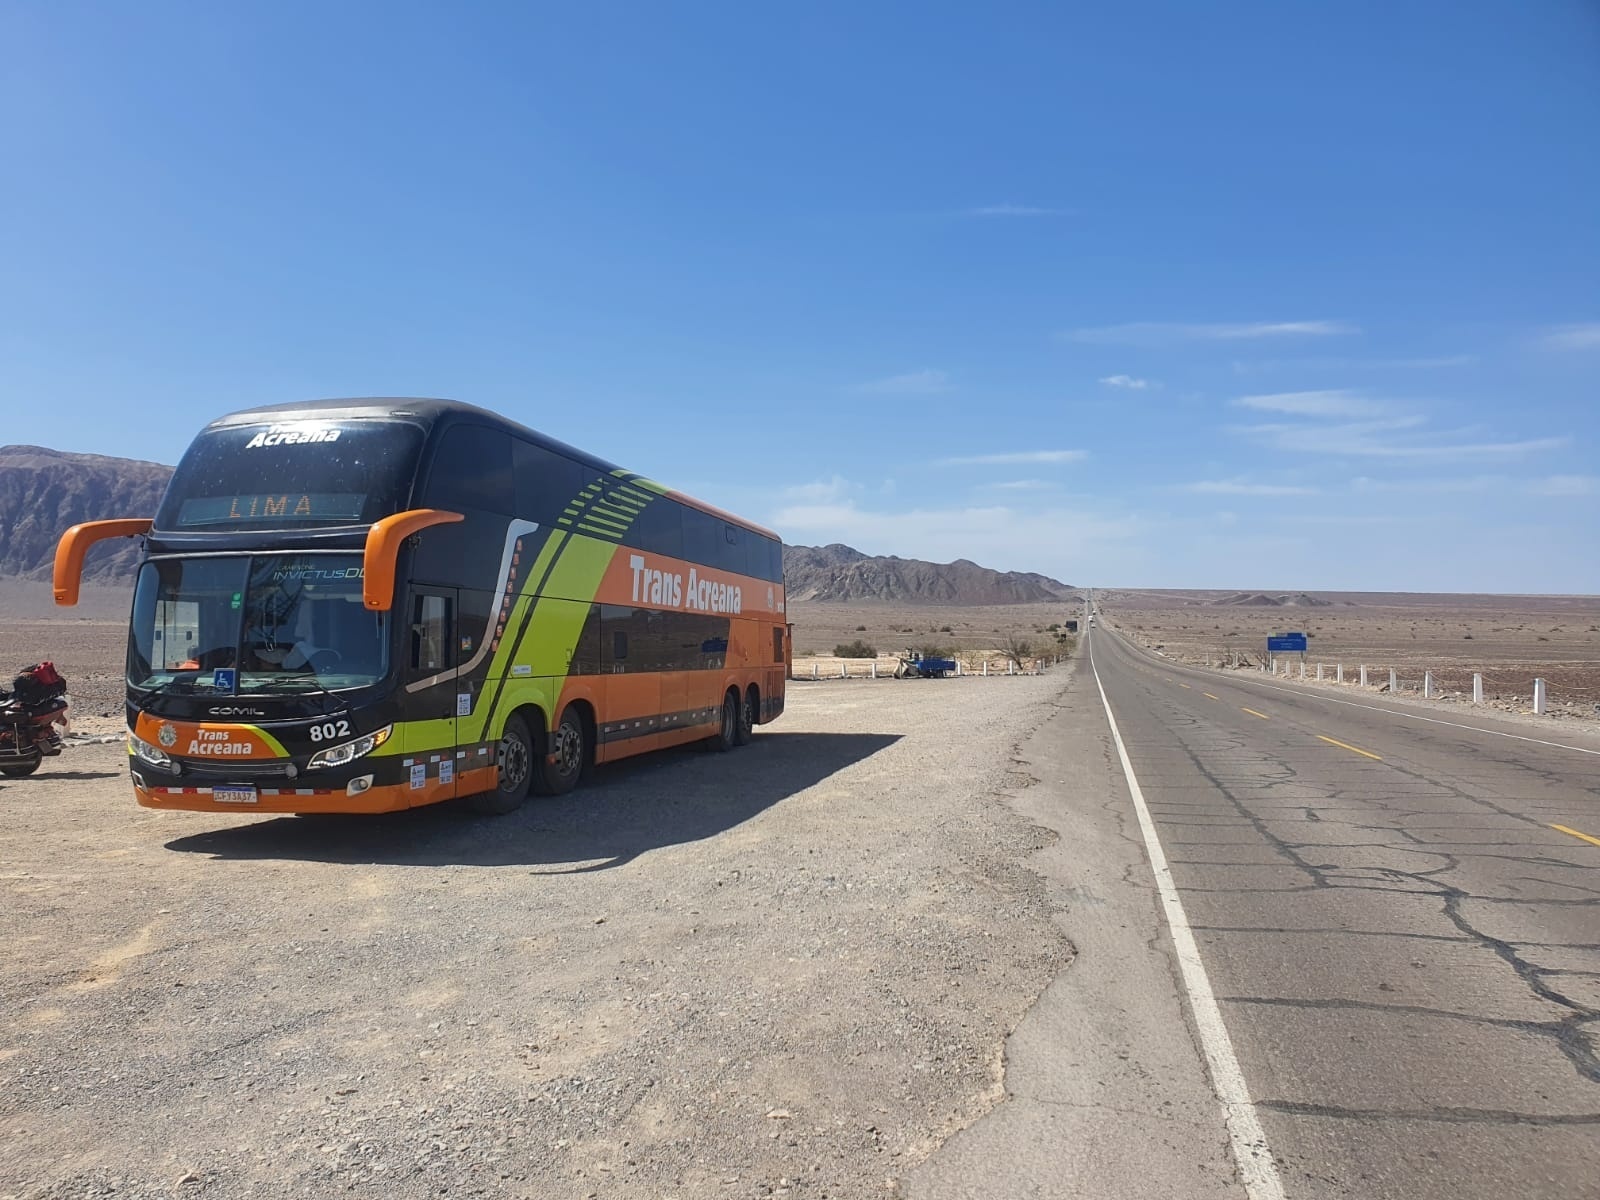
{"x": 619, "y": 646}
{"x": 702, "y": 537}
{"x": 777, "y": 644}
{"x": 471, "y": 470}
{"x": 430, "y": 635}
{"x": 546, "y": 482}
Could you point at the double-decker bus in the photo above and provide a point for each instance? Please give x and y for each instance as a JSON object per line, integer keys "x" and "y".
{"x": 369, "y": 605}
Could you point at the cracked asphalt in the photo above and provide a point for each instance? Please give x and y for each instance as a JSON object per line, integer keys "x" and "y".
{"x": 1405, "y": 950}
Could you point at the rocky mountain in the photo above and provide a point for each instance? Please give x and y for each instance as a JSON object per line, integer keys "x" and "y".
{"x": 43, "y": 491}
{"x": 841, "y": 574}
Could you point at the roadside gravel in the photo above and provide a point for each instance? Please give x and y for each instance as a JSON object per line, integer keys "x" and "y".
{"x": 785, "y": 971}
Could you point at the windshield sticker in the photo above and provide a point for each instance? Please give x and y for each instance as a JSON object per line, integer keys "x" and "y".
{"x": 419, "y": 776}
{"x": 463, "y": 704}
{"x": 447, "y": 771}
{"x": 222, "y": 679}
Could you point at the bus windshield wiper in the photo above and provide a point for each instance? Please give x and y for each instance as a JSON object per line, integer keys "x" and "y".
{"x": 309, "y": 675}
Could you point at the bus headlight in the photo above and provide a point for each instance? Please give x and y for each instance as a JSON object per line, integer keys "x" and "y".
{"x": 145, "y": 752}
{"x": 338, "y": 756}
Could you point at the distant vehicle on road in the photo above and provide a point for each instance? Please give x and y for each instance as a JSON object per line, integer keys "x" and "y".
{"x": 368, "y": 605}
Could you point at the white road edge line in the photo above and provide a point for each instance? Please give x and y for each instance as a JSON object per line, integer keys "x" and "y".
{"x": 1258, "y": 1172}
{"x": 1393, "y": 712}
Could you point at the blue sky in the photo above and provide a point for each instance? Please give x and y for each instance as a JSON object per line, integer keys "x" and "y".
{"x": 1166, "y": 295}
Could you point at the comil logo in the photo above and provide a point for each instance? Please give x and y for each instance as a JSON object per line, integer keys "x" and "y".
{"x": 167, "y": 736}
{"x": 294, "y": 433}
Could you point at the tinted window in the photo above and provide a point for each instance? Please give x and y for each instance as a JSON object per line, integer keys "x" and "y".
{"x": 472, "y": 470}
{"x": 702, "y": 537}
{"x": 292, "y": 475}
{"x": 546, "y": 482}
{"x": 659, "y": 528}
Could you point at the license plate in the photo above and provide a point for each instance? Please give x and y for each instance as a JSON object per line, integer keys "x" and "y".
{"x": 234, "y": 795}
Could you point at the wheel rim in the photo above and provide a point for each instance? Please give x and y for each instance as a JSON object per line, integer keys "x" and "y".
{"x": 514, "y": 760}
{"x": 569, "y": 750}
{"x": 749, "y": 712}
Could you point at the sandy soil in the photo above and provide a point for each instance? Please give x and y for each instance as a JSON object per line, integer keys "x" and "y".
{"x": 1511, "y": 640}
{"x": 784, "y": 971}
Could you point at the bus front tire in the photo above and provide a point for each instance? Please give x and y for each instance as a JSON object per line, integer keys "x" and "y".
{"x": 514, "y": 761}
{"x": 558, "y": 772}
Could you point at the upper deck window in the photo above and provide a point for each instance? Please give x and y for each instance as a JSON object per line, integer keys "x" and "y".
{"x": 292, "y": 475}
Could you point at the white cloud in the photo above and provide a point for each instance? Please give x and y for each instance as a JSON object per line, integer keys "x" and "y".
{"x": 1430, "y": 487}
{"x": 1015, "y": 458}
{"x": 1337, "y": 403}
{"x": 1127, "y": 381}
{"x": 1054, "y": 541}
{"x": 1016, "y": 210}
{"x": 821, "y": 491}
{"x": 1158, "y": 333}
{"x": 1240, "y": 487}
{"x": 1258, "y": 366}
{"x": 1582, "y": 336}
{"x": 913, "y": 383}
{"x": 1023, "y": 485}
{"x": 1567, "y": 485}
{"x": 1396, "y": 437}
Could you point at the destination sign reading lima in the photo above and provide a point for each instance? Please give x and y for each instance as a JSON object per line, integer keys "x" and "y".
{"x": 328, "y": 507}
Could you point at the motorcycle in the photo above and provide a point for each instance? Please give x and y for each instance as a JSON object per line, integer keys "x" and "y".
{"x": 29, "y": 716}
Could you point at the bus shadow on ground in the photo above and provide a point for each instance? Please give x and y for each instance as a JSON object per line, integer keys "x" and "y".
{"x": 664, "y": 799}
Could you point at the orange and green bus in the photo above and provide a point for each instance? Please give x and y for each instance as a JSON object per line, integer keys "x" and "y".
{"x": 369, "y": 605}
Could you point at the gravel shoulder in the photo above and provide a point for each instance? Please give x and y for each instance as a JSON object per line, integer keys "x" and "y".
{"x": 789, "y": 970}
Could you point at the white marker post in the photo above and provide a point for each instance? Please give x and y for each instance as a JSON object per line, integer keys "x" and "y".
{"x": 1319, "y": 672}
{"x": 1477, "y": 687}
{"x": 1427, "y": 685}
{"x": 1363, "y": 677}
{"x": 1540, "y": 699}
{"x": 1340, "y": 676}
{"x": 1394, "y": 685}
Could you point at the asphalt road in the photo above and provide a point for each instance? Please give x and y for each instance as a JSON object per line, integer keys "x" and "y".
{"x": 1403, "y": 946}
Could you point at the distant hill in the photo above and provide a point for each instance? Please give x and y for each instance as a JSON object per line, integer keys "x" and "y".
{"x": 42, "y": 492}
{"x": 840, "y": 574}
{"x": 1262, "y": 600}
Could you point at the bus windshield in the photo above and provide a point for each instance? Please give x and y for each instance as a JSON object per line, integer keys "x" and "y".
{"x": 292, "y": 475}
{"x": 239, "y": 624}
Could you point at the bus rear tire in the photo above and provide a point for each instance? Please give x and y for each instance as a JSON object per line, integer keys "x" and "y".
{"x": 748, "y": 711}
{"x": 558, "y": 772}
{"x": 514, "y": 761}
{"x": 727, "y": 735}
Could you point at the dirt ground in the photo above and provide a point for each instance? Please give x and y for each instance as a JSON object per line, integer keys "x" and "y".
{"x": 1511, "y": 640}
{"x": 784, "y": 971}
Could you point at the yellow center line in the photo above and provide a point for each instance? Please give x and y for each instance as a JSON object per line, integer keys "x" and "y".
{"x": 1209, "y": 696}
{"x": 1185, "y": 685}
{"x": 1576, "y": 834}
{"x": 1254, "y": 713}
{"x": 1348, "y": 746}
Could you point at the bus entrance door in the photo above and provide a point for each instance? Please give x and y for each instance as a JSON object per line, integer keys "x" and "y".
{"x": 433, "y": 703}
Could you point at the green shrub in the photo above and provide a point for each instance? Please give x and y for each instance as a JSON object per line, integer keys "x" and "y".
{"x": 855, "y": 649}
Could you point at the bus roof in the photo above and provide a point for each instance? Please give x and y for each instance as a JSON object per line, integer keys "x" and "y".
{"x": 429, "y": 412}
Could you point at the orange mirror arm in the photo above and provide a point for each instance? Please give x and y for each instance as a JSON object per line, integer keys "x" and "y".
{"x": 75, "y": 543}
{"x": 384, "y": 540}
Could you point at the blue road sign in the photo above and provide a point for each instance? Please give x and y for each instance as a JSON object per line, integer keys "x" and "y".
{"x": 1289, "y": 643}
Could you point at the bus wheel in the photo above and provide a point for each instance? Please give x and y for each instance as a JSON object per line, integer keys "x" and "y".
{"x": 746, "y": 731}
{"x": 727, "y": 735}
{"x": 17, "y": 770}
{"x": 558, "y": 773}
{"x": 514, "y": 760}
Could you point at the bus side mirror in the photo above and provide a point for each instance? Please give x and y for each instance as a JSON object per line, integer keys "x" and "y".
{"x": 75, "y": 543}
{"x": 384, "y": 540}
